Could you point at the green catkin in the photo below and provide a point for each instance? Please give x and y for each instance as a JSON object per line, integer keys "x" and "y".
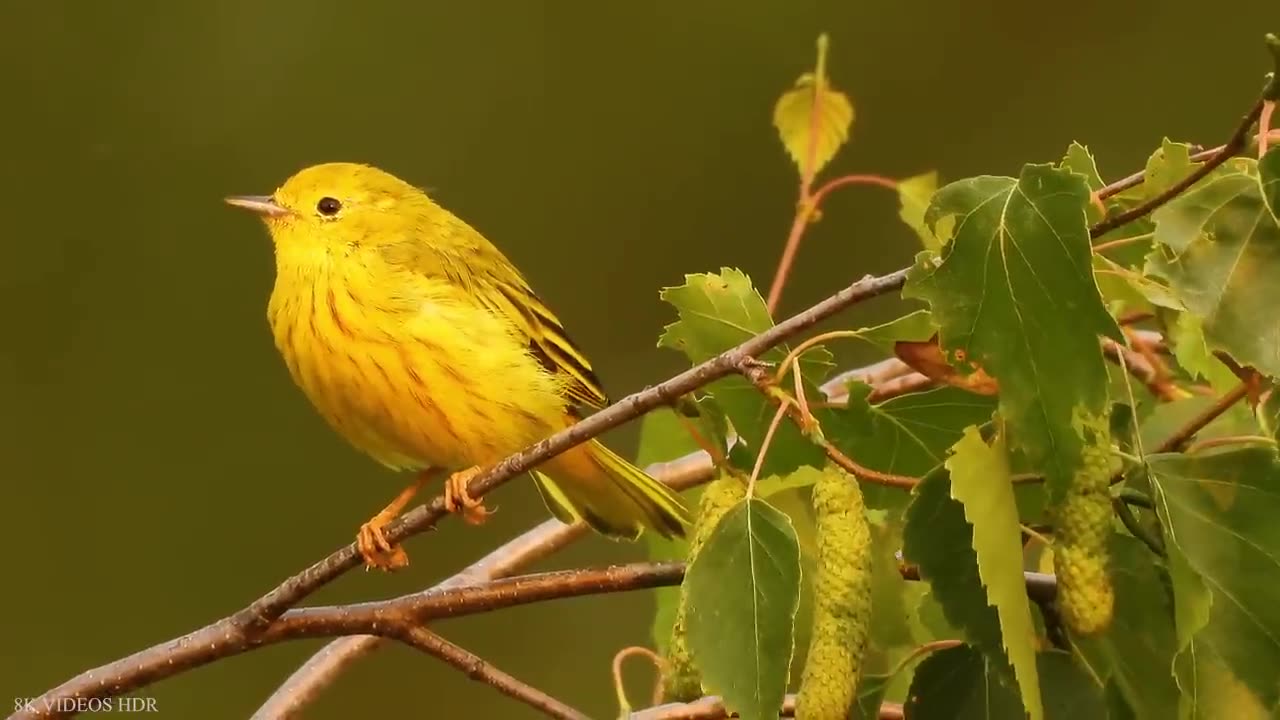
{"x": 683, "y": 682}
{"x": 841, "y": 599}
{"x": 1086, "y": 597}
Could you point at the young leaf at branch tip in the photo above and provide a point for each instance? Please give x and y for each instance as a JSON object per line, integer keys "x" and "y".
{"x": 1218, "y": 511}
{"x": 981, "y": 483}
{"x": 1079, "y": 161}
{"x": 1014, "y": 293}
{"x": 683, "y": 683}
{"x": 813, "y": 119}
{"x": 914, "y": 194}
{"x": 842, "y": 599}
{"x": 718, "y": 312}
{"x": 744, "y": 589}
{"x": 1219, "y": 250}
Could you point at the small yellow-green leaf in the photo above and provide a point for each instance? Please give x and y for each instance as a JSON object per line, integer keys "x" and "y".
{"x": 980, "y": 481}
{"x": 914, "y": 194}
{"x": 813, "y": 119}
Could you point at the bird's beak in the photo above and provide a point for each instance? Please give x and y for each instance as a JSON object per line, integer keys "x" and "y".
{"x": 263, "y": 205}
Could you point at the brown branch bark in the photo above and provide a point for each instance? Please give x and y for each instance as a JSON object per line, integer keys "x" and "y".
{"x": 476, "y": 668}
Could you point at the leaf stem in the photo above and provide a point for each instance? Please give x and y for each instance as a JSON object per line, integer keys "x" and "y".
{"x": 659, "y": 664}
{"x": 1136, "y": 528}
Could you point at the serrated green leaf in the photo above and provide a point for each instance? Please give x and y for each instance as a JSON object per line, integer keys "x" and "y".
{"x": 959, "y": 684}
{"x": 1218, "y": 512}
{"x": 1219, "y": 249}
{"x": 939, "y": 541}
{"x": 813, "y": 119}
{"x": 1021, "y": 256}
{"x": 744, "y": 588}
{"x": 719, "y": 312}
{"x": 1080, "y": 161}
{"x": 1136, "y": 651}
{"x": 981, "y": 483}
{"x": 907, "y": 435}
{"x": 914, "y": 194}
{"x": 1167, "y": 166}
{"x": 1193, "y": 353}
{"x": 917, "y": 326}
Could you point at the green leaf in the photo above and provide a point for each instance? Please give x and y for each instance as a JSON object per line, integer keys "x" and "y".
{"x": 1166, "y": 167}
{"x": 662, "y": 438}
{"x": 981, "y": 482}
{"x": 1079, "y": 161}
{"x": 914, "y": 194}
{"x": 1014, "y": 293}
{"x": 744, "y": 587}
{"x": 1219, "y": 249}
{"x": 906, "y": 435}
{"x": 939, "y": 541}
{"x": 1136, "y": 651}
{"x": 917, "y": 326}
{"x": 871, "y": 689}
{"x": 813, "y": 119}
{"x": 1069, "y": 692}
{"x": 1167, "y": 418}
{"x": 1218, "y": 512}
{"x": 959, "y": 684}
{"x": 719, "y": 312}
{"x": 1195, "y": 356}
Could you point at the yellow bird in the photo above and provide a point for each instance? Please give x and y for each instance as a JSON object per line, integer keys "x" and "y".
{"x": 422, "y": 345}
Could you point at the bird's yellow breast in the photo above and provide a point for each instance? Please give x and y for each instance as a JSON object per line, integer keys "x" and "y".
{"x": 410, "y": 369}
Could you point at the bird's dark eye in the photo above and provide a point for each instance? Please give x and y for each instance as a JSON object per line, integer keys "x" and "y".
{"x": 328, "y": 206}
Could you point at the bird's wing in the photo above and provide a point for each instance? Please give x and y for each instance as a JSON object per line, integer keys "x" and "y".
{"x": 548, "y": 341}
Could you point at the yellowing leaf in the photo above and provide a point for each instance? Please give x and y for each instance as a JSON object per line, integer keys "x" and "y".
{"x": 813, "y": 119}
{"x": 980, "y": 481}
{"x": 914, "y": 194}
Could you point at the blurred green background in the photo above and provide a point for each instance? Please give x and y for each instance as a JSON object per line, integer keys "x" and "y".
{"x": 159, "y": 468}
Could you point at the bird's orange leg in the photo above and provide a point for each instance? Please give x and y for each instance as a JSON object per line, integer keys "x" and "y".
{"x": 456, "y": 497}
{"x": 374, "y": 547}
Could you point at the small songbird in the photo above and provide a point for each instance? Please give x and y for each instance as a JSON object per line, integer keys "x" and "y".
{"x": 422, "y": 345}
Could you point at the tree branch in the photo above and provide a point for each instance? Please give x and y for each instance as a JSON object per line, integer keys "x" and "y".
{"x": 476, "y": 668}
{"x": 1215, "y": 157}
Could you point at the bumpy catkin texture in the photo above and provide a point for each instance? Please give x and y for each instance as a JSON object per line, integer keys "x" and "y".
{"x": 841, "y": 600}
{"x": 683, "y": 683}
{"x": 1086, "y": 598}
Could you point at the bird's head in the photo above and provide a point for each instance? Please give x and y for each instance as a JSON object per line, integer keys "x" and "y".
{"x": 339, "y": 207}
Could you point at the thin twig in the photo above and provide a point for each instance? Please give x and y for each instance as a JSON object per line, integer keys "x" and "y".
{"x": 384, "y": 618}
{"x": 476, "y": 668}
{"x": 1198, "y": 423}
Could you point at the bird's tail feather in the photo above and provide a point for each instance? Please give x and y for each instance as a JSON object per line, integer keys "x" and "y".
{"x": 614, "y": 497}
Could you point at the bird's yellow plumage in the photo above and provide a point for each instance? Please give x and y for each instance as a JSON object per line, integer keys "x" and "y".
{"x": 422, "y": 345}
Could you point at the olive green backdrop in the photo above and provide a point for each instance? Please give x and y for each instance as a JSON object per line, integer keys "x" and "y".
{"x": 157, "y": 467}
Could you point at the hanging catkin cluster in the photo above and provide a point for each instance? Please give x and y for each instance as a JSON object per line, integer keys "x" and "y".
{"x": 841, "y": 599}
{"x": 683, "y": 683}
{"x": 1086, "y": 597}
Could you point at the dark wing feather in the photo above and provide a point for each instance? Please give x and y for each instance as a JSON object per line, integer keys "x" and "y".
{"x": 548, "y": 340}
